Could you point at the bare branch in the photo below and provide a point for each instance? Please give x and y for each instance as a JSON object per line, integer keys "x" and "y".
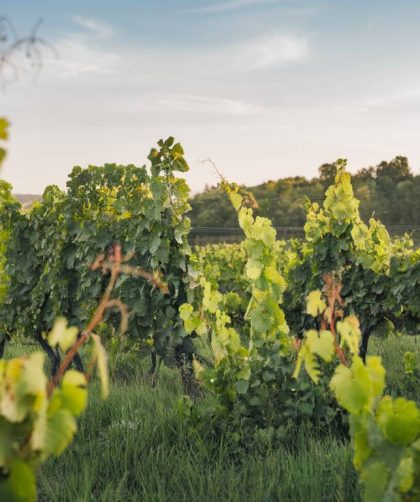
{"x": 30, "y": 47}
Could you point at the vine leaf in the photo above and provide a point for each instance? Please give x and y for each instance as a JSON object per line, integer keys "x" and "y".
{"x": 357, "y": 386}
{"x": 349, "y": 331}
{"x": 73, "y": 392}
{"x": 20, "y": 485}
{"x": 4, "y": 124}
{"x": 61, "y": 427}
{"x": 321, "y": 344}
{"x": 399, "y": 420}
{"x": 315, "y": 304}
{"x": 102, "y": 365}
{"x": 62, "y": 335}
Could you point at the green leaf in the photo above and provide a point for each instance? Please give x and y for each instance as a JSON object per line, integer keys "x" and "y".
{"x": 7, "y": 440}
{"x": 218, "y": 349}
{"x": 321, "y": 343}
{"x": 253, "y": 269}
{"x": 349, "y": 331}
{"x": 236, "y": 200}
{"x": 267, "y": 233}
{"x": 272, "y": 274}
{"x": 311, "y": 366}
{"x": 362, "y": 450}
{"x": 254, "y": 248}
{"x": 62, "y": 335}
{"x": 315, "y": 304}
{"x": 191, "y": 320}
{"x": 260, "y": 320}
{"x": 399, "y": 420}
{"x": 73, "y": 392}
{"x": 60, "y": 430}
{"x": 351, "y": 393}
{"x": 101, "y": 365}
{"x": 376, "y": 374}
{"x": 177, "y": 149}
{"x": 211, "y": 298}
{"x": 185, "y": 311}
{"x": 375, "y": 480}
{"x": 19, "y": 485}
{"x": 242, "y": 386}
{"x": 355, "y": 388}
{"x": 405, "y": 474}
{"x": 4, "y": 124}
{"x": 24, "y": 387}
{"x": 244, "y": 373}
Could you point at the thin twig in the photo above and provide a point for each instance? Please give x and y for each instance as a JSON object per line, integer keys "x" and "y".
{"x": 333, "y": 290}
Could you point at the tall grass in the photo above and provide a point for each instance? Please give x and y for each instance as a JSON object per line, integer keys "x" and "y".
{"x": 135, "y": 447}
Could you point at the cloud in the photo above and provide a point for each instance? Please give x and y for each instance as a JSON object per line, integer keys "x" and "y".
{"x": 98, "y": 28}
{"x": 275, "y": 50}
{"x": 206, "y": 104}
{"x": 78, "y": 56}
{"x": 403, "y": 97}
{"x": 232, "y": 5}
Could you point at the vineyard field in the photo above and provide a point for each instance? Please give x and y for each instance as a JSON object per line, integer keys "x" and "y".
{"x": 292, "y": 363}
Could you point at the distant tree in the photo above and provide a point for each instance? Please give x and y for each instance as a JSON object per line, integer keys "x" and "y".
{"x": 396, "y": 170}
{"x": 327, "y": 173}
{"x": 389, "y": 190}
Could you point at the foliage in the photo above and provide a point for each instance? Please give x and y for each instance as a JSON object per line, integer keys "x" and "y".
{"x": 379, "y": 276}
{"x": 389, "y": 190}
{"x": 142, "y": 209}
{"x": 251, "y": 375}
{"x": 4, "y": 124}
{"x": 385, "y": 431}
{"x": 245, "y": 377}
{"x": 223, "y": 266}
{"x": 37, "y": 417}
{"x": 33, "y": 425}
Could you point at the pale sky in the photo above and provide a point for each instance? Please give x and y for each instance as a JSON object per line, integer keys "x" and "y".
{"x": 265, "y": 88}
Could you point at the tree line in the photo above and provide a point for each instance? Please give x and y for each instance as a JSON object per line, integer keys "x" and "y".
{"x": 389, "y": 190}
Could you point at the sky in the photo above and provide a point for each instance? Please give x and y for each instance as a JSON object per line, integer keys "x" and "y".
{"x": 264, "y": 88}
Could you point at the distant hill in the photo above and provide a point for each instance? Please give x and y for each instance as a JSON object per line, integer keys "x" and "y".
{"x": 27, "y": 199}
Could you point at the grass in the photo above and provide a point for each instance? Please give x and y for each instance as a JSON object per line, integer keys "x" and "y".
{"x": 135, "y": 447}
{"x": 392, "y": 351}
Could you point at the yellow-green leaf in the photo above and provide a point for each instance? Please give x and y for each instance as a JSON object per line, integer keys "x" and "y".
{"x": 101, "y": 365}
{"x": 315, "y": 304}
{"x": 62, "y": 335}
{"x": 73, "y": 392}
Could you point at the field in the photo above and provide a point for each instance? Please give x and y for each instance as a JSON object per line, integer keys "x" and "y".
{"x": 135, "y": 446}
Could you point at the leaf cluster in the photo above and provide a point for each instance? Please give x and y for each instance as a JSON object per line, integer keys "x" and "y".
{"x": 47, "y": 250}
